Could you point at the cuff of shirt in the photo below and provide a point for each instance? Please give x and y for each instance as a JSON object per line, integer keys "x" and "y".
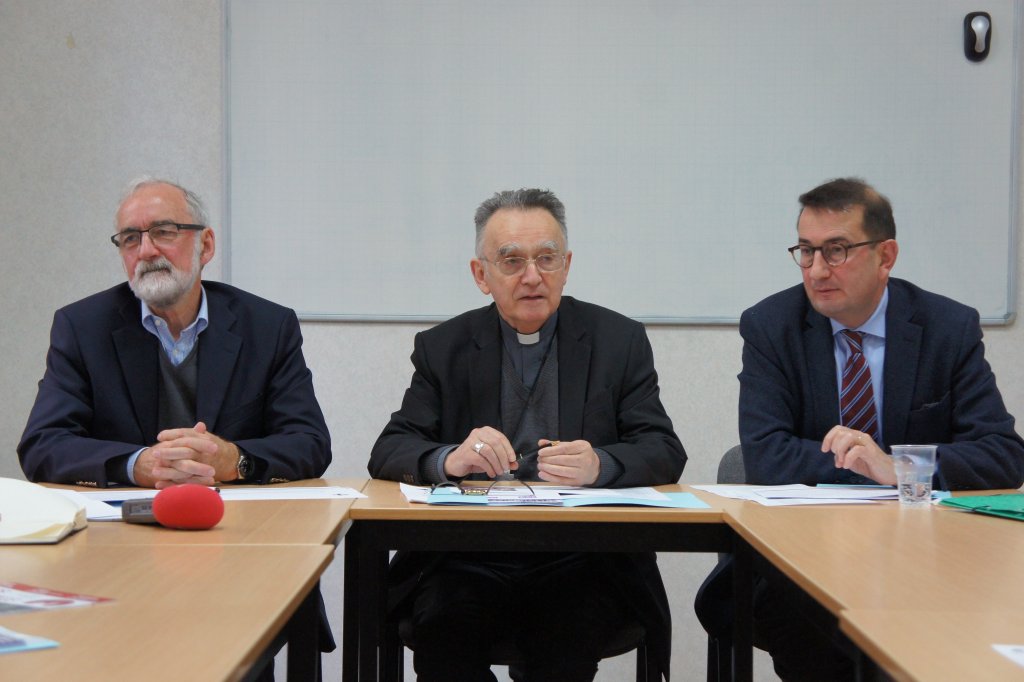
{"x": 610, "y": 469}
{"x": 131, "y": 465}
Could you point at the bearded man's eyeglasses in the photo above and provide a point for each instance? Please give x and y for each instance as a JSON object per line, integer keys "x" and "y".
{"x": 161, "y": 234}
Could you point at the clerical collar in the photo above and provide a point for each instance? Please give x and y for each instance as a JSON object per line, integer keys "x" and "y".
{"x": 547, "y": 330}
{"x": 528, "y": 339}
{"x": 528, "y": 357}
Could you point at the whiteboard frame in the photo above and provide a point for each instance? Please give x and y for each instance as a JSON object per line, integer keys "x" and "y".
{"x": 1014, "y": 207}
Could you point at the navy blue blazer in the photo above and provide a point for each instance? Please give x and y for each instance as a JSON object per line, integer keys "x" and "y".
{"x": 938, "y": 388}
{"x": 607, "y": 394}
{"x": 98, "y": 400}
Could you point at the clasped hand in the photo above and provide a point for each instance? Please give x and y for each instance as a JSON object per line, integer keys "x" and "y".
{"x": 186, "y": 455}
{"x": 486, "y": 450}
{"x": 858, "y": 452}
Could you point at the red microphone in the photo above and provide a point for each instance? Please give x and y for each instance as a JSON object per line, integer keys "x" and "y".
{"x": 189, "y": 506}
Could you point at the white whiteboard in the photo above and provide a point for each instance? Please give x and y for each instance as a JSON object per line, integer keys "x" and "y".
{"x": 363, "y": 134}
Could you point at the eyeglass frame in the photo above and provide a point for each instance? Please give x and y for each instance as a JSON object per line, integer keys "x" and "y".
{"x": 479, "y": 490}
{"x": 134, "y": 230}
{"x": 846, "y": 252}
{"x": 526, "y": 263}
{"x": 507, "y": 476}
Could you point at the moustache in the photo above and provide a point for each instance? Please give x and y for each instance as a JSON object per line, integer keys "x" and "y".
{"x": 143, "y": 268}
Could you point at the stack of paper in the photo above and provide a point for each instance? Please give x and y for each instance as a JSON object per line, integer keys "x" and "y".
{"x": 788, "y": 495}
{"x": 548, "y": 495}
{"x": 503, "y": 496}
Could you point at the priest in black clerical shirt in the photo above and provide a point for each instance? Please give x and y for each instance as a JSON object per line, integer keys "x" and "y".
{"x": 536, "y": 386}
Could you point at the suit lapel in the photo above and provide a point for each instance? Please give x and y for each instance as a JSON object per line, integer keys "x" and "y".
{"x": 821, "y": 363}
{"x": 485, "y": 371}
{"x": 140, "y": 366}
{"x": 219, "y": 348}
{"x": 902, "y": 351}
{"x": 573, "y": 363}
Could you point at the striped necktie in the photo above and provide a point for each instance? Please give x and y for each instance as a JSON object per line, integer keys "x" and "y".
{"x": 857, "y": 398}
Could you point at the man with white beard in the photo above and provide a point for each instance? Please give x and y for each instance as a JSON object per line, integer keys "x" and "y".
{"x": 169, "y": 379}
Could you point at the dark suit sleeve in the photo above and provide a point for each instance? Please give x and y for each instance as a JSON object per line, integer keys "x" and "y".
{"x": 646, "y": 445}
{"x": 56, "y": 445}
{"x": 983, "y": 449}
{"x": 291, "y": 440}
{"x": 415, "y": 429}
{"x": 771, "y": 410}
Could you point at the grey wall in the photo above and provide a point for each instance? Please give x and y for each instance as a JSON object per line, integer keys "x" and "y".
{"x": 94, "y": 92}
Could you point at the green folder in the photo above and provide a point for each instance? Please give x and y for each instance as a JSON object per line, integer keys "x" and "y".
{"x": 1009, "y": 506}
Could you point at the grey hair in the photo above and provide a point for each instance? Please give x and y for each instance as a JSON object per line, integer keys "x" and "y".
{"x": 520, "y": 200}
{"x": 196, "y": 208}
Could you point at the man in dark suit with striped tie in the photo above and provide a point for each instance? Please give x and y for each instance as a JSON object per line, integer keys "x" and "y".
{"x": 841, "y": 368}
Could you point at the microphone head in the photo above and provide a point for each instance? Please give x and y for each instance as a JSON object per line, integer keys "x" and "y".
{"x": 189, "y": 506}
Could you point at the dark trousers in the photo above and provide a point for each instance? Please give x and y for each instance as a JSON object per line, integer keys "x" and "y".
{"x": 804, "y": 647}
{"x": 557, "y": 609}
{"x": 802, "y": 650}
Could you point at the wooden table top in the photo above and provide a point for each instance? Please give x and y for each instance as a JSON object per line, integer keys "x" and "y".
{"x": 938, "y": 645}
{"x": 882, "y": 556}
{"x": 179, "y": 612}
{"x": 263, "y": 522}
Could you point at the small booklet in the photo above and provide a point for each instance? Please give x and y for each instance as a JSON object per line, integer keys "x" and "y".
{"x": 30, "y": 513}
{"x": 11, "y": 641}
{"x": 16, "y": 597}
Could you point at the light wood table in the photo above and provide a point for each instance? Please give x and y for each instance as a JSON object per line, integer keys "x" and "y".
{"x": 385, "y": 521}
{"x": 256, "y": 523}
{"x": 883, "y": 556}
{"x": 260, "y": 522}
{"x": 862, "y": 564}
{"x": 179, "y": 612}
{"x": 937, "y": 644}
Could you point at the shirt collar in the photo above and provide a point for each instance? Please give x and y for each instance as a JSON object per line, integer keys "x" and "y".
{"x": 200, "y": 323}
{"x": 875, "y": 325}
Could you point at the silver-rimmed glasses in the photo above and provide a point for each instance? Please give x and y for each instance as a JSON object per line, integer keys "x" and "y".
{"x": 516, "y": 265}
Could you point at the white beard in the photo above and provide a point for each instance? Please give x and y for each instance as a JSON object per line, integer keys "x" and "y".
{"x": 160, "y": 284}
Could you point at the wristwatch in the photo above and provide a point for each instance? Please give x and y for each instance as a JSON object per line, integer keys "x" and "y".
{"x": 245, "y": 467}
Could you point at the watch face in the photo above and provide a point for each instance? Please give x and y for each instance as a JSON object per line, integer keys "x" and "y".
{"x": 244, "y": 466}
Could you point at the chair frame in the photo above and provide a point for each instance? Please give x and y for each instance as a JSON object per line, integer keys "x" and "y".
{"x": 395, "y": 652}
